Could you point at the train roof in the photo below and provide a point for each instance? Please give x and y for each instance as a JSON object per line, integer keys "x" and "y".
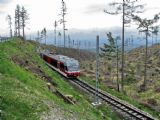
{"x": 65, "y": 59}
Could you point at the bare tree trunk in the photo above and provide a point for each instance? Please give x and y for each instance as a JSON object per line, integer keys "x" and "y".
{"x": 23, "y": 28}
{"x": 146, "y": 57}
{"x": 18, "y": 20}
{"x": 23, "y": 33}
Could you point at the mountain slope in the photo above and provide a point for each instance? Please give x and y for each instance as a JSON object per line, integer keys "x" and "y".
{"x": 24, "y": 92}
{"x": 147, "y": 100}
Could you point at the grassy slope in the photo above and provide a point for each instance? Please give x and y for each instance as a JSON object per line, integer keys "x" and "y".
{"x": 133, "y": 59}
{"x": 25, "y": 95}
{"x": 153, "y": 74}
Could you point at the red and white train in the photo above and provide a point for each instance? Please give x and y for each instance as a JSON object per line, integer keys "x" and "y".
{"x": 69, "y": 67}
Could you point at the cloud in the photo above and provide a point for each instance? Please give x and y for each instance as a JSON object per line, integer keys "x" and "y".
{"x": 5, "y": 1}
{"x": 96, "y": 8}
{"x": 1, "y": 12}
{"x": 3, "y": 5}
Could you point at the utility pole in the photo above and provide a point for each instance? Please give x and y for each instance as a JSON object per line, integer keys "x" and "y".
{"x": 97, "y": 67}
{"x": 122, "y": 65}
{"x": 97, "y": 102}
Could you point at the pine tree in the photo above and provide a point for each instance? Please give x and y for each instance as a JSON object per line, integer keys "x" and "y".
{"x": 110, "y": 51}
{"x": 146, "y": 26}
{"x": 24, "y": 18}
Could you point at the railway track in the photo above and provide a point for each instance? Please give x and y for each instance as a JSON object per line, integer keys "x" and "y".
{"x": 133, "y": 112}
{"x": 130, "y": 110}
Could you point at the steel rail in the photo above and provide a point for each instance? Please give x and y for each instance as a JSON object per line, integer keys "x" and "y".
{"x": 115, "y": 102}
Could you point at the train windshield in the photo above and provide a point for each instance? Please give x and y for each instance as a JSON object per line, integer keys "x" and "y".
{"x": 73, "y": 66}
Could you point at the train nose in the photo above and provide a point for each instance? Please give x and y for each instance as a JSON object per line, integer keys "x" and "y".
{"x": 73, "y": 74}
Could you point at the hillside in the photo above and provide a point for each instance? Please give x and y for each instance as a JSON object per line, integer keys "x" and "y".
{"x": 135, "y": 65}
{"x": 146, "y": 100}
{"x": 149, "y": 99}
{"x": 24, "y": 92}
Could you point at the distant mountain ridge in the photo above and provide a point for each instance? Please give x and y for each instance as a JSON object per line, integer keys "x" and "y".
{"x": 87, "y": 38}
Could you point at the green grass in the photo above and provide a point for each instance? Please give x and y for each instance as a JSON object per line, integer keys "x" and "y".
{"x": 25, "y": 95}
{"x": 18, "y": 101}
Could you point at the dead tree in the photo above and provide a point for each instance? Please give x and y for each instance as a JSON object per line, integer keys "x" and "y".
{"x": 15, "y": 25}
{"x": 126, "y": 8}
{"x": 62, "y": 21}
{"x": 9, "y": 19}
{"x": 59, "y": 35}
{"x": 17, "y": 20}
{"x": 146, "y": 26}
{"x": 24, "y": 17}
{"x": 38, "y": 38}
{"x": 41, "y": 35}
{"x": 69, "y": 41}
{"x": 55, "y": 32}
{"x": 45, "y": 35}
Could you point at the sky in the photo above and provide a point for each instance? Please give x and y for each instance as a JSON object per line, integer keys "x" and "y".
{"x": 81, "y": 14}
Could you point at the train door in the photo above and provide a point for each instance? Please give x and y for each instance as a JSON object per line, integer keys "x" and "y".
{"x": 62, "y": 67}
{"x": 58, "y": 65}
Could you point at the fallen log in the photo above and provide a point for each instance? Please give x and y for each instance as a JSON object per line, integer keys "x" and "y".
{"x": 65, "y": 98}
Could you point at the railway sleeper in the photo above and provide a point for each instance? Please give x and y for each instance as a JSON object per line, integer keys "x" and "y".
{"x": 122, "y": 107}
{"x": 130, "y": 111}
{"x": 119, "y": 105}
{"x": 135, "y": 114}
{"x": 141, "y": 117}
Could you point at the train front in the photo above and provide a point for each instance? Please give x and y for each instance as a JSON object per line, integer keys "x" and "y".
{"x": 72, "y": 68}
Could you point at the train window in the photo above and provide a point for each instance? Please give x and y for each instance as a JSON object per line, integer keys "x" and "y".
{"x": 73, "y": 65}
{"x": 73, "y": 68}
